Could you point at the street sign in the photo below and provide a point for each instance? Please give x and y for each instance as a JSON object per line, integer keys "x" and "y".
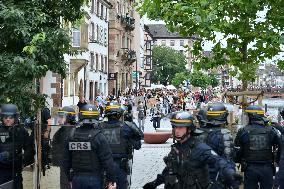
{"x": 112, "y": 76}
{"x": 135, "y": 74}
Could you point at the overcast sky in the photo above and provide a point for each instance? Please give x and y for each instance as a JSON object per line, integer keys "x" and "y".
{"x": 209, "y": 44}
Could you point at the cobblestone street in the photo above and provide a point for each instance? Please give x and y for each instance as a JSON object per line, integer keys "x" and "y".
{"x": 148, "y": 161}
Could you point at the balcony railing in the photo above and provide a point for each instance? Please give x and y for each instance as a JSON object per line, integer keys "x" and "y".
{"x": 128, "y": 56}
{"x": 128, "y": 22}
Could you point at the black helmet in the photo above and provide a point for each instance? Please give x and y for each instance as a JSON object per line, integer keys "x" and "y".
{"x": 201, "y": 117}
{"x": 182, "y": 119}
{"x": 69, "y": 113}
{"x": 10, "y": 110}
{"x": 113, "y": 108}
{"x": 217, "y": 114}
{"x": 255, "y": 113}
{"x": 89, "y": 114}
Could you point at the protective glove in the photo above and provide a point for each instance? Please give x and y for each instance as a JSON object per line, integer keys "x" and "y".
{"x": 4, "y": 156}
{"x": 150, "y": 185}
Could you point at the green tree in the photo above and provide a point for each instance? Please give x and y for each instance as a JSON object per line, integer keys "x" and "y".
{"x": 179, "y": 78}
{"x": 33, "y": 40}
{"x": 202, "y": 80}
{"x": 250, "y": 39}
{"x": 212, "y": 80}
{"x": 166, "y": 63}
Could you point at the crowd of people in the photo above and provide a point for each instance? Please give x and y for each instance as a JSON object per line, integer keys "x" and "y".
{"x": 94, "y": 146}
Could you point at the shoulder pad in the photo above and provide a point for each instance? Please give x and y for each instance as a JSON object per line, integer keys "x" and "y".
{"x": 134, "y": 128}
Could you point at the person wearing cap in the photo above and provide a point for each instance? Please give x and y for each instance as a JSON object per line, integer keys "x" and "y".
{"x": 15, "y": 147}
{"x": 87, "y": 154}
{"x": 213, "y": 122}
{"x": 66, "y": 119}
{"x": 123, "y": 138}
{"x": 255, "y": 142}
{"x": 187, "y": 162}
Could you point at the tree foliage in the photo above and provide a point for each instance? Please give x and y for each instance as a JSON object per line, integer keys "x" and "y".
{"x": 202, "y": 80}
{"x": 251, "y": 30}
{"x": 33, "y": 41}
{"x": 166, "y": 63}
{"x": 179, "y": 78}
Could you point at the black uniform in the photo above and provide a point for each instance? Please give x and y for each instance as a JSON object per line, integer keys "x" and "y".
{"x": 123, "y": 137}
{"x": 212, "y": 122}
{"x": 58, "y": 143}
{"x": 187, "y": 163}
{"x": 187, "y": 167}
{"x": 87, "y": 155}
{"x": 280, "y": 174}
{"x": 14, "y": 139}
{"x": 256, "y": 143}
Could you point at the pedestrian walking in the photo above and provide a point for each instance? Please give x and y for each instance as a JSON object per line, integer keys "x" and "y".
{"x": 141, "y": 115}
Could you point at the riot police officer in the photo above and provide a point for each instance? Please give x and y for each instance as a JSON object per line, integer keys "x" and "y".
{"x": 14, "y": 139}
{"x": 255, "y": 142}
{"x": 66, "y": 119}
{"x": 122, "y": 137}
{"x": 213, "y": 122}
{"x": 201, "y": 117}
{"x": 187, "y": 162}
{"x": 87, "y": 153}
{"x": 280, "y": 174}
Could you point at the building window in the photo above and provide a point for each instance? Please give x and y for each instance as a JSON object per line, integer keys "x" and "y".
{"x": 101, "y": 35}
{"x": 98, "y": 32}
{"x": 172, "y": 42}
{"x": 97, "y": 62}
{"x": 102, "y": 63}
{"x": 163, "y": 42}
{"x": 105, "y": 34}
{"x": 105, "y": 64}
{"x": 92, "y": 37}
{"x": 123, "y": 42}
{"x": 93, "y": 6}
{"x": 148, "y": 45}
{"x": 76, "y": 37}
{"x": 181, "y": 42}
{"x": 91, "y": 94}
{"x": 147, "y": 76}
{"x": 148, "y": 60}
{"x": 128, "y": 42}
{"x": 92, "y": 60}
{"x": 102, "y": 11}
{"x": 118, "y": 8}
{"x": 98, "y": 8}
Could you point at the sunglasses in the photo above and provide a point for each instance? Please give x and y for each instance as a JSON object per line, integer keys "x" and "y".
{"x": 8, "y": 117}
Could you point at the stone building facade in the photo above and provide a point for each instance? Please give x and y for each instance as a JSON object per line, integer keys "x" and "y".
{"x": 122, "y": 55}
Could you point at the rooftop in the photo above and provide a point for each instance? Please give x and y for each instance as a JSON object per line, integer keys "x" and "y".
{"x": 160, "y": 31}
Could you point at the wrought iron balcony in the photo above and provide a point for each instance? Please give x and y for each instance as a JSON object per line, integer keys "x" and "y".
{"x": 128, "y": 22}
{"x": 128, "y": 56}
